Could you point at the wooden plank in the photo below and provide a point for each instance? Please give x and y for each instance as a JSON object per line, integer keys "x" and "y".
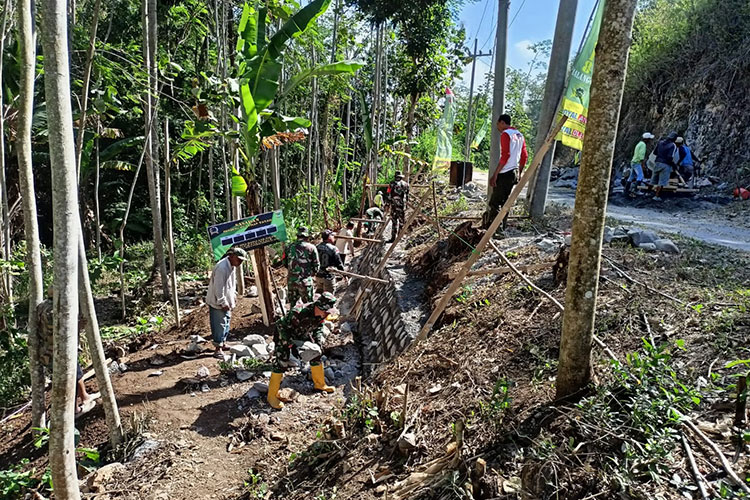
{"x": 356, "y": 219}
{"x": 357, "y": 238}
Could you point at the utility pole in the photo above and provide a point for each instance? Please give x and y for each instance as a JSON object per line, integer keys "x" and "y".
{"x": 469, "y": 127}
{"x": 498, "y": 94}
{"x": 553, "y": 89}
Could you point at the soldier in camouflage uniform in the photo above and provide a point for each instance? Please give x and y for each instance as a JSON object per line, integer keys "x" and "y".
{"x": 329, "y": 257}
{"x": 85, "y": 401}
{"x": 301, "y": 330}
{"x": 398, "y": 196}
{"x": 303, "y": 263}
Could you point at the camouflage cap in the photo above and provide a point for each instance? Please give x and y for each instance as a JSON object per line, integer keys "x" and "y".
{"x": 398, "y": 175}
{"x": 303, "y": 232}
{"x": 325, "y": 301}
{"x": 237, "y": 252}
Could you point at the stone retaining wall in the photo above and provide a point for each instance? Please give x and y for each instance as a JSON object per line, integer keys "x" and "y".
{"x": 382, "y": 330}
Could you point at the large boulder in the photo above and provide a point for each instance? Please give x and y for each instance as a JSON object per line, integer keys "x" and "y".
{"x": 647, "y": 247}
{"x": 667, "y": 246}
{"x": 260, "y": 350}
{"x": 639, "y": 237}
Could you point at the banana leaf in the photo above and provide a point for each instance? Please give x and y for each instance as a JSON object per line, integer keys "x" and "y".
{"x": 337, "y": 68}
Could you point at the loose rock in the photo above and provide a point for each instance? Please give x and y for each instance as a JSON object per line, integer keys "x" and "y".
{"x": 639, "y": 237}
{"x": 203, "y": 372}
{"x": 254, "y": 339}
{"x": 261, "y": 387}
{"x": 407, "y": 442}
{"x": 99, "y": 479}
{"x": 309, "y": 351}
{"x": 242, "y": 351}
{"x": 648, "y": 247}
{"x": 243, "y": 375}
{"x": 253, "y": 291}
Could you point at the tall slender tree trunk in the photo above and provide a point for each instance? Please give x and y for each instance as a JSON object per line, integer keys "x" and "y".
{"x": 97, "y": 173}
{"x": 86, "y": 82}
{"x": 310, "y": 139}
{"x": 66, "y": 229}
{"x": 7, "y": 276}
{"x": 170, "y": 231}
{"x": 211, "y": 199}
{"x": 346, "y": 148}
{"x": 27, "y": 49}
{"x": 574, "y": 368}
{"x": 98, "y": 359}
{"x": 152, "y": 150}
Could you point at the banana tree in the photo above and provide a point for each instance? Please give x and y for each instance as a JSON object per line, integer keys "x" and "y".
{"x": 259, "y": 72}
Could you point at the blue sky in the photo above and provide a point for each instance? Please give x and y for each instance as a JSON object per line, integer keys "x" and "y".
{"x": 534, "y": 21}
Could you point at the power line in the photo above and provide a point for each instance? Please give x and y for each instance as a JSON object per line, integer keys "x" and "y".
{"x": 494, "y": 14}
{"x": 517, "y": 12}
{"x": 481, "y": 22}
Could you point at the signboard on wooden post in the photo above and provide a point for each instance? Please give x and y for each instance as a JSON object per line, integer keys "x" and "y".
{"x": 249, "y": 233}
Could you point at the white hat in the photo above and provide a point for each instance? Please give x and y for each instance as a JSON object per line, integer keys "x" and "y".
{"x": 679, "y": 140}
{"x": 648, "y": 135}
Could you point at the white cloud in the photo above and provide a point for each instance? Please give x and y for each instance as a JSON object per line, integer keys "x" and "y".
{"x": 523, "y": 50}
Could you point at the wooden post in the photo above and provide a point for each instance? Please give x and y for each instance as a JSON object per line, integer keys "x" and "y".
{"x": 490, "y": 232}
{"x": 434, "y": 205}
{"x": 169, "y": 229}
{"x": 260, "y": 266}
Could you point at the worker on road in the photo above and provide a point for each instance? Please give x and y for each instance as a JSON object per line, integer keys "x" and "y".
{"x": 84, "y": 401}
{"x": 638, "y": 165}
{"x": 222, "y": 297}
{"x": 303, "y": 331}
{"x": 685, "y": 163}
{"x": 667, "y": 158}
{"x": 513, "y": 156}
{"x": 398, "y": 197}
{"x": 373, "y": 213}
{"x": 303, "y": 262}
{"x": 329, "y": 257}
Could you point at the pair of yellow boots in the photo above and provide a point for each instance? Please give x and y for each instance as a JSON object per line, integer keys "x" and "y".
{"x": 319, "y": 381}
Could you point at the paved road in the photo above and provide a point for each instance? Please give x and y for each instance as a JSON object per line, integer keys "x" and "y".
{"x": 699, "y": 223}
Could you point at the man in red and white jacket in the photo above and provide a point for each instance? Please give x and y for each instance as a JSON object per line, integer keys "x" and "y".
{"x": 513, "y": 158}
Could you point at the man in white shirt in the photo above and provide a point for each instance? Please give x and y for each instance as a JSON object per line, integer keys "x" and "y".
{"x": 513, "y": 156}
{"x": 222, "y": 296}
{"x": 345, "y": 245}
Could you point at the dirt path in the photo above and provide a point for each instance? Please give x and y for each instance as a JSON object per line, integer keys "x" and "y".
{"x": 699, "y": 220}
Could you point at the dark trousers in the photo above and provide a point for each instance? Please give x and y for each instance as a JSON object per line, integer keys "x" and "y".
{"x": 500, "y": 194}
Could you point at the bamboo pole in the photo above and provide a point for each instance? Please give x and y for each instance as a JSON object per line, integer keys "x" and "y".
{"x": 357, "y": 219}
{"x": 358, "y": 238}
{"x": 490, "y": 232}
{"x": 506, "y": 270}
{"x": 360, "y": 276}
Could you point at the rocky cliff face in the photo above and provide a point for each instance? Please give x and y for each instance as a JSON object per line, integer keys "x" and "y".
{"x": 713, "y": 115}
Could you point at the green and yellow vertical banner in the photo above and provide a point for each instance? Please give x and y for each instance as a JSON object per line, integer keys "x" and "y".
{"x": 575, "y": 104}
{"x": 444, "y": 146}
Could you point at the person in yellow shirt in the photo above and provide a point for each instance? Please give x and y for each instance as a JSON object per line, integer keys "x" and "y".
{"x": 638, "y": 165}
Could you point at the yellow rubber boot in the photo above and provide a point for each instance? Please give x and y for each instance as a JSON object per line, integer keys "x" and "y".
{"x": 319, "y": 379}
{"x": 273, "y": 391}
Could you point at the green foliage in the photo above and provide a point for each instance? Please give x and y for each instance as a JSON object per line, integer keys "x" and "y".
{"x": 142, "y": 326}
{"x": 15, "y": 482}
{"x": 498, "y": 404}
{"x": 255, "y": 485}
{"x": 14, "y": 371}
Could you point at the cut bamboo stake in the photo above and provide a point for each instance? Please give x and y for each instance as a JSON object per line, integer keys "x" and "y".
{"x": 696, "y": 473}
{"x": 490, "y": 232}
{"x": 434, "y": 205}
{"x": 724, "y": 462}
{"x": 358, "y": 238}
{"x": 359, "y": 276}
{"x": 506, "y": 270}
{"x": 635, "y": 281}
{"x": 356, "y": 219}
{"x": 524, "y": 278}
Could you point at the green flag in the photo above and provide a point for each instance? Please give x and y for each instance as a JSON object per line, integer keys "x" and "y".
{"x": 575, "y": 103}
{"x": 481, "y": 133}
{"x": 444, "y": 147}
